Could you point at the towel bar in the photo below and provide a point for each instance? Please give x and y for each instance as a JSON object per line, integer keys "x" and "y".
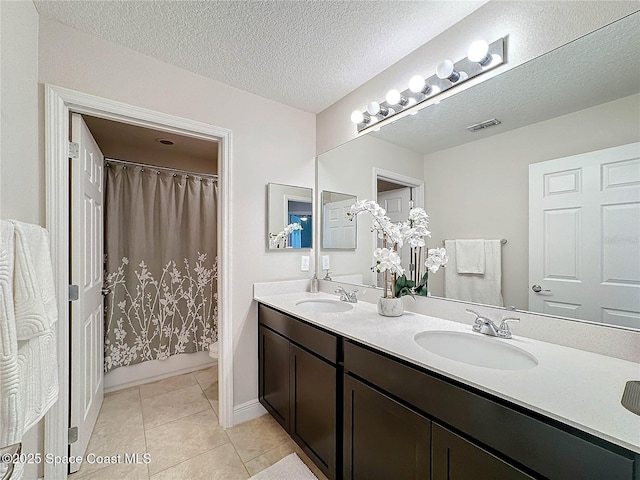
{"x": 503, "y": 241}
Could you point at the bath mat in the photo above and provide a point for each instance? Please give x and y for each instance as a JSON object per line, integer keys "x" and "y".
{"x": 289, "y": 468}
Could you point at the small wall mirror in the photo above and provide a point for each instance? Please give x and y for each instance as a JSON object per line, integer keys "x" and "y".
{"x": 289, "y": 217}
{"x": 338, "y": 231}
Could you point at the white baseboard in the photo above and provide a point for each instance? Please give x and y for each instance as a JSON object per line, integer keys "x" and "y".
{"x": 247, "y": 411}
{"x": 151, "y": 371}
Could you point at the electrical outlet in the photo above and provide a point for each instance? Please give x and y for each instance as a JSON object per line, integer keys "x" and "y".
{"x": 325, "y": 262}
{"x": 304, "y": 265}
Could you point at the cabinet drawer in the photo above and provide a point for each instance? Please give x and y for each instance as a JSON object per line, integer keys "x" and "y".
{"x": 319, "y": 342}
{"x": 550, "y": 451}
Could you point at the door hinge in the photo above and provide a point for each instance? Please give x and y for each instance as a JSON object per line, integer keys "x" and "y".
{"x": 73, "y": 435}
{"x": 74, "y": 293}
{"x": 74, "y": 150}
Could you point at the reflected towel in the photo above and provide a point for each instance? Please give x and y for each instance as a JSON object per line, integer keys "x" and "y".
{"x": 470, "y": 256}
{"x": 485, "y": 289}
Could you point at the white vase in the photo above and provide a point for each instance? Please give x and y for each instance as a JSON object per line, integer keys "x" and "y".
{"x": 390, "y": 307}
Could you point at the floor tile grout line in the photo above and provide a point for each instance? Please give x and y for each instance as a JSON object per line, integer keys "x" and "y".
{"x": 191, "y": 458}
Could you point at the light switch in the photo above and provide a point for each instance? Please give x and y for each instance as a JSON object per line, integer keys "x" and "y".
{"x": 304, "y": 265}
{"x": 325, "y": 262}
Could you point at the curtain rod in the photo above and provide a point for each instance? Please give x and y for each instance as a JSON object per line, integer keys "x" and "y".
{"x": 144, "y": 165}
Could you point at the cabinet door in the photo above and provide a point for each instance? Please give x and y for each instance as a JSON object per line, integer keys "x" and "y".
{"x": 382, "y": 438}
{"x": 273, "y": 352}
{"x": 313, "y": 408}
{"x": 455, "y": 458}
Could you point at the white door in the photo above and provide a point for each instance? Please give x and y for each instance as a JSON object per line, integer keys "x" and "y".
{"x": 584, "y": 236}
{"x": 397, "y": 204}
{"x": 87, "y": 325}
{"x": 338, "y": 230}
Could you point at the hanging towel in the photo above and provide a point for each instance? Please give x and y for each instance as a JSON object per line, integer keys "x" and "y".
{"x": 470, "y": 256}
{"x": 11, "y": 415}
{"x": 28, "y": 316}
{"x": 485, "y": 289}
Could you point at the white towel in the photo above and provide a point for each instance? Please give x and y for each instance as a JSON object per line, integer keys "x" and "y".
{"x": 485, "y": 289}
{"x": 11, "y": 415}
{"x": 34, "y": 290}
{"x": 28, "y": 315}
{"x": 470, "y": 256}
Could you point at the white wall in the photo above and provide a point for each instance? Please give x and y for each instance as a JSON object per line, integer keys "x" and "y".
{"x": 488, "y": 197}
{"x": 271, "y": 143}
{"x": 349, "y": 169}
{"x": 21, "y": 172}
{"x": 532, "y": 27}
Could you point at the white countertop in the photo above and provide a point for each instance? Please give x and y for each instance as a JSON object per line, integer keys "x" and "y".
{"x": 576, "y": 387}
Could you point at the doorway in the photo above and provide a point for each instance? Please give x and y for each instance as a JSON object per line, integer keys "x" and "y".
{"x": 397, "y": 194}
{"x": 59, "y": 104}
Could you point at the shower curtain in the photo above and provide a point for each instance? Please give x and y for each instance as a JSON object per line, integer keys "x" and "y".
{"x": 160, "y": 264}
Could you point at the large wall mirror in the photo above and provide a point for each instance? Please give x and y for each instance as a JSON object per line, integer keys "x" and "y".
{"x": 289, "y": 217}
{"x": 558, "y": 179}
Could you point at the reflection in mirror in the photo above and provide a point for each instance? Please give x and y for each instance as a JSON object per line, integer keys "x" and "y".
{"x": 559, "y": 178}
{"x": 290, "y": 217}
{"x": 338, "y": 231}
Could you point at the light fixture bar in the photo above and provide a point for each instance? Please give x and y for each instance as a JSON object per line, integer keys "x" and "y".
{"x": 482, "y": 58}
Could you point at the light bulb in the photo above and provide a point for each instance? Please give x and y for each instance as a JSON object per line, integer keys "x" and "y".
{"x": 374, "y": 108}
{"x": 416, "y": 84}
{"x": 357, "y": 117}
{"x": 393, "y": 97}
{"x": 479, "y": 52}
{"x": 447, "y": 71}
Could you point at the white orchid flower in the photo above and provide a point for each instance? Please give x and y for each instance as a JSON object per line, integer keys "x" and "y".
{"x": 387, "y": 259}
{"x": 436, "y": 258}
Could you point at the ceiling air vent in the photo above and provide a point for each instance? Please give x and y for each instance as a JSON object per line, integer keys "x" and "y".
{"x": 483, "y": 125}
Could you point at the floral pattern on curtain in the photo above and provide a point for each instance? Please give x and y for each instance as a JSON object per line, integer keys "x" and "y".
{"x": 160, "y": 265}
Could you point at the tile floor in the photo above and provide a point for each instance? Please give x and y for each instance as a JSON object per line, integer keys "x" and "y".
{"x": 175, "y": 421}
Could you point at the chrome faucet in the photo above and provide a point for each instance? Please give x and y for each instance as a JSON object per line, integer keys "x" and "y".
{"x": 488, "y": 327}
{"x": 345, "y": 296}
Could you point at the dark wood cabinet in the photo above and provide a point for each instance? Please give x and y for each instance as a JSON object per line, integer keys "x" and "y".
{"x": 298, "y": 384}
{"x": 382, "y": 438}
{"x": 361, "y": 414}
{"x": 313, "y": 407}
{"x": 273, "y": 350}
{"x": 455, "y": 458}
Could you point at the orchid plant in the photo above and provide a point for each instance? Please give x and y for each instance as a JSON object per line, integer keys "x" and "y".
{"x": 394, "y": 235}
{"x": 277, "y": 239}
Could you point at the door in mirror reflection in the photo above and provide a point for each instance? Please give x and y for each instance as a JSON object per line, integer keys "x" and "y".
{"x": 584, "y": 236}
{"x": 338, "y": 229}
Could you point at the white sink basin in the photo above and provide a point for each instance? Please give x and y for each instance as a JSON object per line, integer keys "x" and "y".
{"x": 476, "y": 349}
{"x": 323, "y": 305}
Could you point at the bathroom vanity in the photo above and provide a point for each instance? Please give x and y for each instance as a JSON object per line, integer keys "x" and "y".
{"x": 365, "y": 401}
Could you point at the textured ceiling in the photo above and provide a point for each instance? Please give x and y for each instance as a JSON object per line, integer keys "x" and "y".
{"x": 600, "y": 67}
{"x": 306, "y": 54}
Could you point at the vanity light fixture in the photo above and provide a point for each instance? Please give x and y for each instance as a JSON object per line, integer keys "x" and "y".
{"x": 481, "y": 57}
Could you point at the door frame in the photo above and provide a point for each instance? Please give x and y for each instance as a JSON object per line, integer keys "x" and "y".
{"x": 417, "y": 192}
{"x": 59, "y": 103}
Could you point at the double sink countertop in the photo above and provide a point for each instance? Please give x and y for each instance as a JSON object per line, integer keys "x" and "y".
{"x": 576, "y": 387}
